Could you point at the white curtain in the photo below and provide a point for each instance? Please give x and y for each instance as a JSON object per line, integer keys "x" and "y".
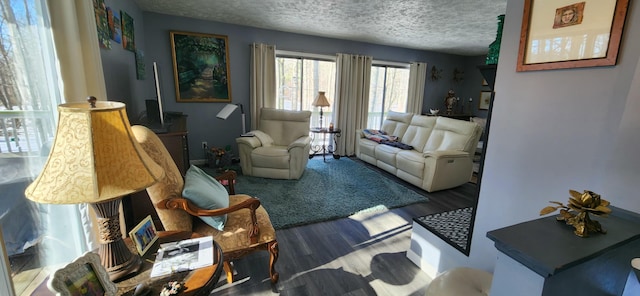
{"x": 352, "y": 98}
{"x": 76, "y": 42}
{"x": 417, "y": 78}
{"x": 263, "y": 80}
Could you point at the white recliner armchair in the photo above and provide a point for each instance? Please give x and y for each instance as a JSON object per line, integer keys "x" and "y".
{"x": 280, "y": 146}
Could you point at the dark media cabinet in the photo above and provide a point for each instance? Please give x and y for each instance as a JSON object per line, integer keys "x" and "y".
{"x": 138, "y": 205}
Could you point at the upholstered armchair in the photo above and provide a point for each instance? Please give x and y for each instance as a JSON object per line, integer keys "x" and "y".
{"x": 280, "y": 146}
{"x": 247, "y": 228}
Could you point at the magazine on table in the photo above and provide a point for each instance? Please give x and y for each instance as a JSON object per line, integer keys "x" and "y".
{"x": 183, "y": 255}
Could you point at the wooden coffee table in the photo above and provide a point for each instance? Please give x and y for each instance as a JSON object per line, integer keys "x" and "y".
{"x": 197, "y": 282}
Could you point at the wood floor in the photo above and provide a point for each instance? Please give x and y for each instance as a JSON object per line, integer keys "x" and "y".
{"x": 361, "y": 255}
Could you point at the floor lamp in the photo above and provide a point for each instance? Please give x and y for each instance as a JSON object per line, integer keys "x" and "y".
{"x": 95, "y": 159}
{"x": 321, "y": 101}
{"x": 226, "y": 112}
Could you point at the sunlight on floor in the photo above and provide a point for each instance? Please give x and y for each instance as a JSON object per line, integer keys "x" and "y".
{"x": 372, "y": 218}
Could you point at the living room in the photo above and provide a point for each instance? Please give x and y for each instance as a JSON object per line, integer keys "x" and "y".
{"x": 551, "y": 130}
{"x": 528, "y": 118}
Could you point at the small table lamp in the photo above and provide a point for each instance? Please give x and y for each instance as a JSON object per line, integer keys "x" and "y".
{"x": 321, "y": 101}
{"x": 95, "y": 159}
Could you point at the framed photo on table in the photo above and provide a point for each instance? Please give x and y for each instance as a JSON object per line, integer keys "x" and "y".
{"x": 201, "y": 67}
{"x": 144, "y": 235}
{"x": 568, "y": 34}
{"x": 83, "y": 276}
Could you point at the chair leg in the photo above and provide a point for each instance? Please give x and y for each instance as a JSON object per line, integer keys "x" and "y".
{"x": 273, "y": 251}
{"x": 228, "y": 269}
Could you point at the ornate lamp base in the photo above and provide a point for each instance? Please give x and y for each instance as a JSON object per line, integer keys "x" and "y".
{"x": 115, "y": 256}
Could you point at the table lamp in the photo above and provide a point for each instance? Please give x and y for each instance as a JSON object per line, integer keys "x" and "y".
{"x": 95, "y": 159}
{"x": 321, "y": 101}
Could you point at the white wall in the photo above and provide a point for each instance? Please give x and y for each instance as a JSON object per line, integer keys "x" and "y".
{"x": 556, "y": 130}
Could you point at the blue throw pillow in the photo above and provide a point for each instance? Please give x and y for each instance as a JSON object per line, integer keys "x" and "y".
{"x": 207, "y": 193}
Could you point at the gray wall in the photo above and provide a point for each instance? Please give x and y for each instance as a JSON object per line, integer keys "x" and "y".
{"x": 556, "y": 130}
{"x": 152, "y": 35}
{"x": 119, "y": 65}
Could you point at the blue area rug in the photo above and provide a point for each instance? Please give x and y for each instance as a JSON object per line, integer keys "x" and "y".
{"x": 327, "y": 191}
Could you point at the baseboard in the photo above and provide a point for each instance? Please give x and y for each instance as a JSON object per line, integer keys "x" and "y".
{"x": 197, "y": 161}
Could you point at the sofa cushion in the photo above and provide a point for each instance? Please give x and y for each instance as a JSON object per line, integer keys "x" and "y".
{"x": 276, "y": 157}
{"x": 284, "y": 126}
{"x": 419, "y": 131}
{"x": 387, "y": 154}
{"x": 396, "y": 123}
{"x": 207, "y": 193}
{"x": 411, "y": 162}
{"x": 453, "y": 134}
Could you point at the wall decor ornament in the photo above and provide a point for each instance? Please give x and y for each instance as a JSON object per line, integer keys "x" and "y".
{"x": 200, "y": 67}
{"x": 435, "y": 73}
{"x": 589, "y": 35}
{"x": 576, "y": 212}
{"x": 494, "y": 47}
{"x": 458, "y": 75}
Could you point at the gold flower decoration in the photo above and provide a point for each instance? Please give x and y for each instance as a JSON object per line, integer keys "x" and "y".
{"x": 576, "y": 212}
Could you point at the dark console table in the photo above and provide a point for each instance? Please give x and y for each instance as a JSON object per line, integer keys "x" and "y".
{"x": 544, "y": 257}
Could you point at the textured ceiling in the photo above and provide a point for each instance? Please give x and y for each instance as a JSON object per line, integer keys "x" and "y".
{"x": 464, "y": 27}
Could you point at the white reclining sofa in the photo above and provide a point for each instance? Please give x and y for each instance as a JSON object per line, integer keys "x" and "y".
{"x": 440, "y": 154}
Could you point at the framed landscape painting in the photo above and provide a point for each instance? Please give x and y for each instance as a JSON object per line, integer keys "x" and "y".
{"x": 200, "y": 67}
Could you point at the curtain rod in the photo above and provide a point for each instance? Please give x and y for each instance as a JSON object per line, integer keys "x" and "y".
{"x": 333, "y": 58}
{"x": 305, "y": 55}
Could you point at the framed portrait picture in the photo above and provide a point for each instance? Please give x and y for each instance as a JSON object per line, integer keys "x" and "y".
{"x": 569, "y": 34}
{"x": 144, "y": 235}
{"x": 200, "y": 67}
{"x": 485, "y": 100}
{"x": 83, "y": 276}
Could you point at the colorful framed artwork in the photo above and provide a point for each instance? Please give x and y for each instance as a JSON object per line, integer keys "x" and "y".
{"x": 485, "y": 100}
{"x": 128, "y": 34}
{"x": 200, "y": 67}
{"x": 114, "y": 25}
{"x": 102, "y": 26}
{"x": 566, "y": 34}
{"x": 141, "y": 69}
{"x": 144, "y": 235}
{"x": 83, "y": 276}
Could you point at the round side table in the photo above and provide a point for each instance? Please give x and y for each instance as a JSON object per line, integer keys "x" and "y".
{"x": 197, "y": 282}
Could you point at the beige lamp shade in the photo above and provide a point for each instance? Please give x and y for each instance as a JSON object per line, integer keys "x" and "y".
{"x": 94, "y": 157}
{"x": 321, "y": 100}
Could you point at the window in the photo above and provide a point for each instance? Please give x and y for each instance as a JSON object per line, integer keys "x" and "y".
{"x": 299, "y": 78}
{"x": 388, "y": 92}
{"x": 34, "y": 235}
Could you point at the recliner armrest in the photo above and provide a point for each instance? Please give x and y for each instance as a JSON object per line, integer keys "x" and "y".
{"x": 252, "y": 142}
{"x": 445, "y": 153}
{"x": 300, "y": 142}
